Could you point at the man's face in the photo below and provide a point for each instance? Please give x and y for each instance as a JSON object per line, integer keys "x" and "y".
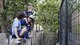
{"x": 29, "y": 19}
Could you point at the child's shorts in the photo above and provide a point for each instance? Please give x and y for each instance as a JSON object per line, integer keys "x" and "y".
{"x": 29, "y": 28}
{"x": 24, "y": 36}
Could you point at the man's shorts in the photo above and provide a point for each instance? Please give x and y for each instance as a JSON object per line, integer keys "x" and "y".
{"x": 29, "y": 28}
{"x": 23, "y": 23}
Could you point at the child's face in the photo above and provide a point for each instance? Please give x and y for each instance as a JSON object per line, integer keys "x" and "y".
{"x": 30, "y": 7}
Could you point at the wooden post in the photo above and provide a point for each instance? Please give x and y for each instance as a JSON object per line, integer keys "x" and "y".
{"x": 1, "y": 10}
{"x": 1, "y": 6}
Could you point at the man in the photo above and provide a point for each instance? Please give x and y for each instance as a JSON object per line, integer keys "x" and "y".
{"x": 29, "y": 15}
{"x": 27, "y": 23}
{"x": 17, "y": 32}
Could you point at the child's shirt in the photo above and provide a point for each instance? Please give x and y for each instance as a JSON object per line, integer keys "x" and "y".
{"x": 28, "y": 13}
{"x": 17, "y": 24}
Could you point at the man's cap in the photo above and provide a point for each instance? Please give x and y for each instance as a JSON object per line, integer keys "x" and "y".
{"x": 31, "y": 16}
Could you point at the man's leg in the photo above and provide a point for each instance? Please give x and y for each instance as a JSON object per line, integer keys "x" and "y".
{"x": 23, "y": 31}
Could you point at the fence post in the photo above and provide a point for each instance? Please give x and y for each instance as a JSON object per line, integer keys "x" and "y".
{"x": 66, "y": 30}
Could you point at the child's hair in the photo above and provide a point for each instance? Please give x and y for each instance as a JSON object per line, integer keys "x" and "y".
{"x": 29, "y": 4}
{"x": 20, "y": 15}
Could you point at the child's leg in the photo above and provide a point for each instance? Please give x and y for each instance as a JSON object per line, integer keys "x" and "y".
{"x": 23, "y": 31}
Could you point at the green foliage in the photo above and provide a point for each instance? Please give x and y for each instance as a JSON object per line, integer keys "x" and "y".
{"x": 11, "y": 7}
{"x": 48, "y": 14}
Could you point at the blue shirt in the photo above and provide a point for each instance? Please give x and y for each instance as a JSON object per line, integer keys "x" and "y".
{"x": 23, "y": 22}
{"x": 17, "y": 24}
{"x": 28, "y": 13}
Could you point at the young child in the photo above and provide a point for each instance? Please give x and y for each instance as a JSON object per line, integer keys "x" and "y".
{"x": 29, "y": 11}
{"x": 16, "y": 27}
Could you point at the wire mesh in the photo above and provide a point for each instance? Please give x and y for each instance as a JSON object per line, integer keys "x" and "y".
{"x": 73, "y": 21}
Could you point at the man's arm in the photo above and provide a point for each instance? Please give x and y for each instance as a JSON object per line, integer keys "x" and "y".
{"x": 26, "y": 20}
{"x": 32, "y": 25}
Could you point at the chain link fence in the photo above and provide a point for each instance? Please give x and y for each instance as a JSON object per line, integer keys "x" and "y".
{"x": 69, "y": 16}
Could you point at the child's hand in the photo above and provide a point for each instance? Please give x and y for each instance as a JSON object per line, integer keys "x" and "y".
{"x": 19, "y": 39}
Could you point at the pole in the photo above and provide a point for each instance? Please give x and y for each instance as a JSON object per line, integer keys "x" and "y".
{"x": 66, "y": 31}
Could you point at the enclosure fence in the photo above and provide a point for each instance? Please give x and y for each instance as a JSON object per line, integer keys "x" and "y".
{"x": 69, "y": 19}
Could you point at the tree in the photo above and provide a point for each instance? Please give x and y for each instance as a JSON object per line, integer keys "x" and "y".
{"x": 47, "y": 13}
{"x": 10, "y": 8}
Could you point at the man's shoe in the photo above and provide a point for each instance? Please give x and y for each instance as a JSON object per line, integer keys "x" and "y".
{"x": 18, "y": 43}
{"x": 24, "y": 40}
